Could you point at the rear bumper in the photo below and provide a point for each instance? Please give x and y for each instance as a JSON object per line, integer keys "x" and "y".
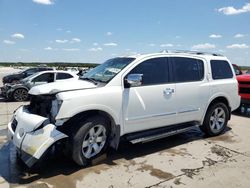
{"x": 30, "y": 140}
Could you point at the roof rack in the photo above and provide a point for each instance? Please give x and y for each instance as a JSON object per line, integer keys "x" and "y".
{"x": 190, "y": 52}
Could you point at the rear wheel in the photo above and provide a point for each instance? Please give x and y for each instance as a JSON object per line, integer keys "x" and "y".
{"x": 216, "y": 119}
{"x": 90, "y": 140}
{"x": 20, "y": 95}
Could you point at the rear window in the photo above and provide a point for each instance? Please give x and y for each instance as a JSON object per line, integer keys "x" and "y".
{"x": 61, "y": 76}
{"x": 221, "y": 69}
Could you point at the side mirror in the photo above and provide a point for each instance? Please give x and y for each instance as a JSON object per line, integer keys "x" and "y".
{"x": 133, "y": 80}
{"x": 237, "y": 72}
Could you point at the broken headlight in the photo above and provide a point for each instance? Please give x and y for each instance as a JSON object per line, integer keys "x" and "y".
{"x": 55, "y": 107}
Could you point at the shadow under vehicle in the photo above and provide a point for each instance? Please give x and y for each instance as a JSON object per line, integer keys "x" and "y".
{"x": 19, "y": 91}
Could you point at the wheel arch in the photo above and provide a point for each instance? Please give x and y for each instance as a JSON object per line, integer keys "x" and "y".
{"x": 11, "y": 92}
{"x": 114, "y": 127}
{"x": 217, "y": 99}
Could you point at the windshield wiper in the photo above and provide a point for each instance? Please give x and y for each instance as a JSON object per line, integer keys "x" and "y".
{"x": 90, "y": 80}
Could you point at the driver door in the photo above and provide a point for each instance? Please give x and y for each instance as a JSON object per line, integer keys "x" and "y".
{"x": 43, "y": 79}
{"x": 152, "y": 104}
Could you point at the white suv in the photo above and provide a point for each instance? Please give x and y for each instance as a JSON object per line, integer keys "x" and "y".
{"x": 137, "y": 98}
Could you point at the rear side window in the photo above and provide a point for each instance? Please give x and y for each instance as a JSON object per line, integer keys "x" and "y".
{"x": 187, "y": 69}
{"x": 155, "y": 71}
{"x": 61, "y": 76}
{"x": 221, "y": 69}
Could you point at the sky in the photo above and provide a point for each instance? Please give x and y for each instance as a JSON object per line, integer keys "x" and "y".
{"x": 94, "y": 31}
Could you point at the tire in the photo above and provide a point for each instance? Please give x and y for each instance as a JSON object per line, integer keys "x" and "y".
{"x": 90, "y": 140}
{"x": 20, "y": 95}
{"x": 216, "y": 119}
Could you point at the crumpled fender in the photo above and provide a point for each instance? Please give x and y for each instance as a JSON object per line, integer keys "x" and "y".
{"x": 36, "y": 143}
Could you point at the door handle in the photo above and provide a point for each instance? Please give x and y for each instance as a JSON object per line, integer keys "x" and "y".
{"x": 168, "y": 91}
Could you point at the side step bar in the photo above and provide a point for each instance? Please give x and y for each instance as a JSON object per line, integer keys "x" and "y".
{"x": 154, "y": 134}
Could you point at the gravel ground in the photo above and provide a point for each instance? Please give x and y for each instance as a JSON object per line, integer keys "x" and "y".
{"x": 185, "y": 160}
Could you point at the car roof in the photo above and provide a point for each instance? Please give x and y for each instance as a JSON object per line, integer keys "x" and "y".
{"x": 194, "y": 54}
{"x": 52, "y": 71}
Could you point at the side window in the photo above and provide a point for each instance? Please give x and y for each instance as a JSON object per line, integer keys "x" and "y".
{"x": 187, "y": 69}
{"x": 221, "y": 69}
{"x": 46, "y": 77}
{"x": 61, "y": 76}
{"x": 30, "y": 71}
{"x": 155, "y": 71}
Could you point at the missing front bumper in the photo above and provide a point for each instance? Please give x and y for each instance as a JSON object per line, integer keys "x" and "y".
{"x": 32, "y": 143}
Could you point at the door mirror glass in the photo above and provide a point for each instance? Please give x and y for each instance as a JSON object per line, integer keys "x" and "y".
{"x": 133, "y": 80}
{"x": 237, "y": 72}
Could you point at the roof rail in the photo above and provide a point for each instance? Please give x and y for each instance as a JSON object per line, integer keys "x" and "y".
{"x": 191, "y": 52}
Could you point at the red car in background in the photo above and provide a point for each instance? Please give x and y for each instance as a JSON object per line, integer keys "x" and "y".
{"x": 244, "y": 89}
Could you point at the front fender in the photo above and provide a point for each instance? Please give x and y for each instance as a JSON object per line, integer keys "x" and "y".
{"x": 36, "y": 143}
{"x": 66, "y": 113}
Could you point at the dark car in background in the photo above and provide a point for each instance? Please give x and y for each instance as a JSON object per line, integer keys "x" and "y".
{"x": 15, "y": 78}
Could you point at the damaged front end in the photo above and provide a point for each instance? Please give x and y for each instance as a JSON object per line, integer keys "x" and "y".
{"x": 33, "y": 128}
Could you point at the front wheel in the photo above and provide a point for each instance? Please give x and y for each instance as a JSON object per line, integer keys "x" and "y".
{"x": 90, "y": 140}
{"x": 20, "y": 95}
{"x": 216, "y": 119}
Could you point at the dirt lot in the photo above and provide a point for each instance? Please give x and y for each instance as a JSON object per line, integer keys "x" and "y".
{"x": 185, "y": 160}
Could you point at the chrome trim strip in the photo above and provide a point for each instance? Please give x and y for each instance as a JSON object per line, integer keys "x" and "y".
{"x": 191, "y": 110}
{"x": 150, "y": 116}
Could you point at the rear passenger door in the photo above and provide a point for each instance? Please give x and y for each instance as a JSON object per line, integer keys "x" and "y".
{"x": 192, "y": 88}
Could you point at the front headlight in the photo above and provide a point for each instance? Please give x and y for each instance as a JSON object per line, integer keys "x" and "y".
{"x": 55, "y": 107}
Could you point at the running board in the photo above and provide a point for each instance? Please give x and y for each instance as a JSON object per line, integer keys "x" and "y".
{"x": 150, "y": 135}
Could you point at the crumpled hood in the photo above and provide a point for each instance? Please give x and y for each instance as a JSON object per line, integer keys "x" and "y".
{"x": 55, "y": 87}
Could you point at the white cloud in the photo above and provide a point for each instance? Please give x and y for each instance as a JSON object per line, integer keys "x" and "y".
{"x": 17, "y": 36}
{"x": 59, "y": 29}
{"x": 44, "y": 2}
{"x": 110, "y": 44}
{"x": 71, "y": 49}
{"x": 48, "y": 48}
{"x": 238, "y": 46}
{"x": 215, "y": 36}
{"x": 68, "y": 31}
{"x": 203, "y": 46}
{"x": 8, "y": 42}
{"x": 95, "y": 44}
{"x": 109, "y": 33}
{"x": 239, "y": 35}
{"x": 234, "y": 11}
{"x": 166, "y": 45}
{"x": 62, "y": 41}
{"x": 75, "y": 40}
{"x": 95, "y": 49}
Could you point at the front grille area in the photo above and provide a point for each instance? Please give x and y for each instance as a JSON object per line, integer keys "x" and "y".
{"x": 41, "y": 105}
{"x": 245, "y": 90}
{"x": 14, "y": 125}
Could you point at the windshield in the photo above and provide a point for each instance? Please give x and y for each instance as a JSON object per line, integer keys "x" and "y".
{"x": 30, "y": 77}
{"x": 106, "y": 71}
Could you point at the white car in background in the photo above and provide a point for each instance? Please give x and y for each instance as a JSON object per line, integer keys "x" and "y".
{"x": 19, "y": 91}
